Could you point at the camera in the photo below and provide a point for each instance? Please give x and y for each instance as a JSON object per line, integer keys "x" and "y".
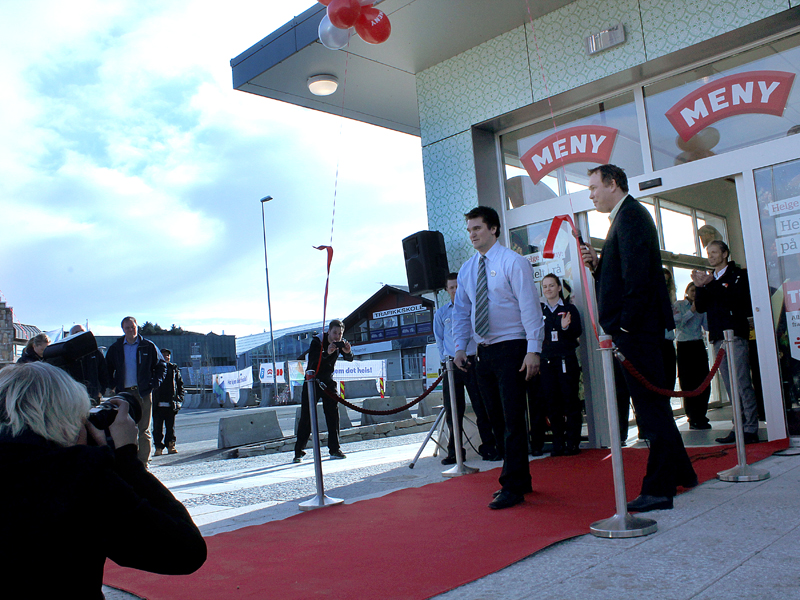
{"x": 339, "y": 345}
{"x": 103, "y": 415}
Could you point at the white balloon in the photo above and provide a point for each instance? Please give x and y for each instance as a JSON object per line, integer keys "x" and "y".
{"x": 331, "y": 36}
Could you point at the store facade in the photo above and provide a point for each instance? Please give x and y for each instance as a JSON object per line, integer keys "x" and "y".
{"x": 700, "y": 105}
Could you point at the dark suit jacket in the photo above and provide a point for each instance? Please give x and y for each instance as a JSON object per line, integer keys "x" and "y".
{"x": 631, "y": 291}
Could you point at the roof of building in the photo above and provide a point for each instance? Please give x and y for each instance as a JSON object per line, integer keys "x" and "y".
{"x": 25, "y": 332}
{"x": 248, "y": 342}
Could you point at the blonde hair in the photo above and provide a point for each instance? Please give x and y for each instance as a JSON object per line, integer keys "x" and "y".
{"x": 44, "y": 399}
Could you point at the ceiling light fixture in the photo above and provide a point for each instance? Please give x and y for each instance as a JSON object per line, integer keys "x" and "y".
{"x": 323, "y": 85}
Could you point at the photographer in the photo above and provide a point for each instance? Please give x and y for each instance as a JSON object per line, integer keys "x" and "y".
{"x": 34, "y": 349}
{"x": 322, "y": 355}
{"x": 88, "y": 503}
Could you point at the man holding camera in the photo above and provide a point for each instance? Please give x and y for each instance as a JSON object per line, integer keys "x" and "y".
{"x": 135, "y": 365}
{"x": 322, "y": 356}
{"x": 167, "y": 400}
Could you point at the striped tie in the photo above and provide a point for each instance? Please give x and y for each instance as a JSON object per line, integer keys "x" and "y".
{"x": 482, "y": 301}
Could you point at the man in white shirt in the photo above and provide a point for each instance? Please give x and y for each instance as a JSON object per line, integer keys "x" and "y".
{"x": 498, "y": 306}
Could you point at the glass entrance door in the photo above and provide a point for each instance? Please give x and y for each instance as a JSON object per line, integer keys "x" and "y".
{"x": 778, "y": 195}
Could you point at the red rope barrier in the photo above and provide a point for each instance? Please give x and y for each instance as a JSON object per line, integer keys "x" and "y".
{"x": 367, "y": 411}
{"x": 690, "y": 394}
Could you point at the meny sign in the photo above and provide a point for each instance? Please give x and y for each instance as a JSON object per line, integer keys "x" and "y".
{"x": 752, "y": 92}
{"x": 585, "y": 143}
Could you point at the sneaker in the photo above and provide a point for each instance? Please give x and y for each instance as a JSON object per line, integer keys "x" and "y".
{"x": 297, "y": 459}
{"x": 336, "y": 454}
{"x": 172, "y": 449}
{"x": 158, "y": 452}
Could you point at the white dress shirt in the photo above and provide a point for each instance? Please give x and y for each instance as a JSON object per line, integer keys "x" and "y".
{"x": 515, "y": 312}
{"x": 443, "y": 331}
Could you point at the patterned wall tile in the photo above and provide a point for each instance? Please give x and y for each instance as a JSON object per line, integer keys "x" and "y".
{"x": 560, "y": 38}
{"x": 451, "y": 191}
{"x": 488, "y": 80}
{"x": 670, "y": 26}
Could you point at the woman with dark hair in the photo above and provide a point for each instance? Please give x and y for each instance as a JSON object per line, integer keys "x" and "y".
{"x": 692, "y": 358}
{"x": 34, "y": 349}
{"x": 79, "y": 503}
{"x": 560, "y": 371}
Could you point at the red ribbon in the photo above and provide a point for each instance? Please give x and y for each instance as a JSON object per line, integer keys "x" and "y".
{"x": 555, "y": 227}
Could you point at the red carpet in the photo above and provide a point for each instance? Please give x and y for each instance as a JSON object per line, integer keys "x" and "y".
{"x": 414, "y": 543}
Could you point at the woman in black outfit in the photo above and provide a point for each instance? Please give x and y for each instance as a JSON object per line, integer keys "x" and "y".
{"x": 560, "y": 372}
{"x": 67, "y": 505}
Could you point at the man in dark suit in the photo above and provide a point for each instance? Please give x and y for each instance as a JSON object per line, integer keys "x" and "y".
{"x": 634, "y": 309}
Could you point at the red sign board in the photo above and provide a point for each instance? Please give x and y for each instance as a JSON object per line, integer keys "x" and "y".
{"x": 753, "y": 92}
{"x": 587, "y": 143}
{"x": 791, "y": 295}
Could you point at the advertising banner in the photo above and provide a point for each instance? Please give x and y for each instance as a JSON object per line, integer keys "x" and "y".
{"x": 232, "y": 382}
{"x": 265, "y": 373}
{"x": 359, "y": 369}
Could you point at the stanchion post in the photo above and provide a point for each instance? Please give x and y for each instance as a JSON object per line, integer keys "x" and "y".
{"x": 459, "y": 468}
{"x": 622, "y": 524}
{"x": 320, "y": 500}
{"x": 742, "y": 471}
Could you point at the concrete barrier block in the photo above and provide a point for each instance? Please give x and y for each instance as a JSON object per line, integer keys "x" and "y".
{"x": 410, "y": 388}
{"x": 385, "y": 404}
{"x": 360, "y": 388}
{"x": 344, "y": 419}
{"x": 427, "y": 405}
{"x": 255, "y": 425}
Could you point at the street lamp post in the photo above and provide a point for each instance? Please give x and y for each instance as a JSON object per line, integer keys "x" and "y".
{"x": 269, "y": 303}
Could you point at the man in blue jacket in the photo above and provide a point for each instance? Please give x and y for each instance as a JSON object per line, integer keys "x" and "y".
{"x": 135, "y": 365}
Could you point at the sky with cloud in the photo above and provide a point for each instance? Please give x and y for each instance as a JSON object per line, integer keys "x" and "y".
{"x": 131, "y": 173}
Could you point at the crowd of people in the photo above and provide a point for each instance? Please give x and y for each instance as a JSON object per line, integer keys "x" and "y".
{"x": 516, "y": 355}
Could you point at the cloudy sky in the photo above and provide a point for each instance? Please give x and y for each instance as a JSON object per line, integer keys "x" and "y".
{"x": 131, "y": 173}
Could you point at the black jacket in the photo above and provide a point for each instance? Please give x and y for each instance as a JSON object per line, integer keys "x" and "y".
{"x": 150, "y": 370}
{"x": 79, "y": 506}
{"x": 726, "y": 301}
{"x": 567, "y": 340}
{"x": 631, "y": 291}
{"x": 28, "y": 355}
{"x": 325, "y": 371}
{"x": 169, "y": 395}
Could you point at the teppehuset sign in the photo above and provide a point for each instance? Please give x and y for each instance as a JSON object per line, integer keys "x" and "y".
{"x": 752, "y": 92}
{"x": 587, "y": 143}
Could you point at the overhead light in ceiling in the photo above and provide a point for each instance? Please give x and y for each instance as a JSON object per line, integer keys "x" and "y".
{"x": 322, "y": 85}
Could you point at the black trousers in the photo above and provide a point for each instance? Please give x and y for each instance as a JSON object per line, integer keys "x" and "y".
{"x": 163, "y": 418}
{"x": 668, "y": 464}
{"x": 331, "y": 409}
{"x": 503, "y": 389}
{"x": 469, "y": 382}
{"x": 560, "y": 402}
{"x": 692, "y": 370}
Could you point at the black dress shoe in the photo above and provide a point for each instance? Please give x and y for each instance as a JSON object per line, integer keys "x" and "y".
{"x": 500, "y": 491}
{"x": 537, "y": 452}
{"x": 690, "y": 483}
{"x": 506, "y": 499}
{"x": 728, "y": 439}
{"x": 572, "y": 451}
{"x": 705, "y": 425}
{"x": 751, "y": 438}
{"x": 449, "y": 460}
{"x": 646, "y": 503}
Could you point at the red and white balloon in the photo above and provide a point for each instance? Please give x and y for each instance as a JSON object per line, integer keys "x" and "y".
{"x": 343, "y": 16}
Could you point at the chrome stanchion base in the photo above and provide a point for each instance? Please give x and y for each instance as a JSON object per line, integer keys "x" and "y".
{"x": 743, "y": 473}
{"x": 623, "y": 526}
{"x": 458, "y": 470}
{"x": 316, "y": 502}
{"x": 788, "y": 452}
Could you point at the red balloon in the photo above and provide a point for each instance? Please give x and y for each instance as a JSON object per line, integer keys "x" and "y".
{"x": 324, "y": 2}
{"x": 373, "y": 25}
{"x": 344, "y": 13}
